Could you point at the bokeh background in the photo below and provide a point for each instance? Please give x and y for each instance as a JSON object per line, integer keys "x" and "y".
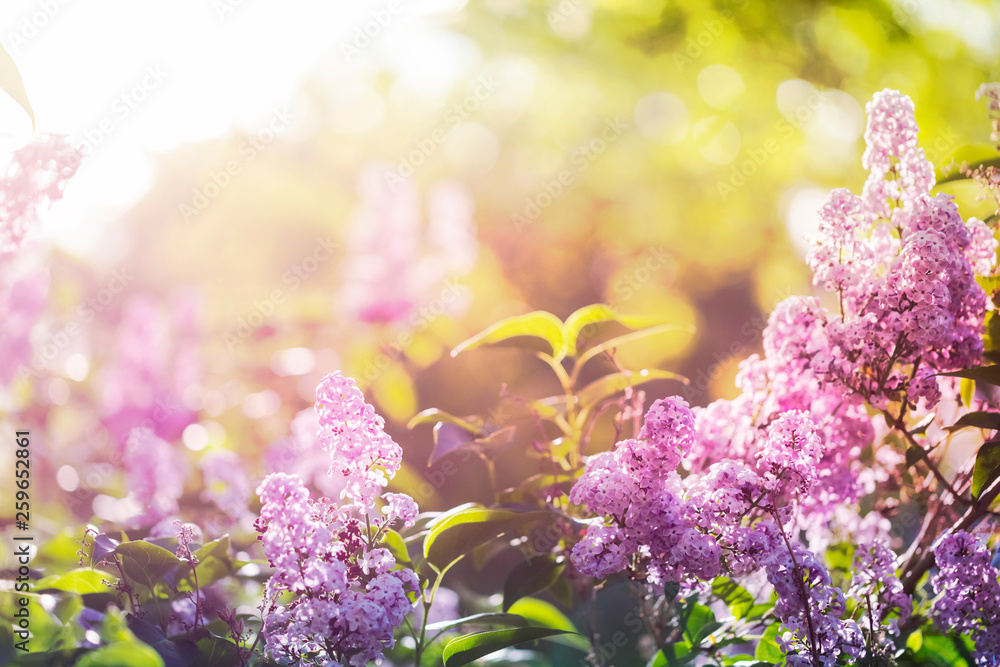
{"x": 272, "y": 191}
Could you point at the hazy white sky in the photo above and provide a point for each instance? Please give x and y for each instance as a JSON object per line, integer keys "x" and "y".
{"x": 132, "y": 78}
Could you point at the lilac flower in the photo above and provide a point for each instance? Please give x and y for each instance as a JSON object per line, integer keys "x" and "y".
{"x": 810, "y": 606}
{"x": 969, "y": 593}
{"x": 876, "y": 584}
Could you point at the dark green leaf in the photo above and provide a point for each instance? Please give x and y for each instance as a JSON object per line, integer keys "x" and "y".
{"x": 480, "y": 619}
{"x": 456, "y": 533}
{"x": 987, "y": 420}
{"x": 463, "y": 650}
{"x": 145, "y": 563}
{"x": 214, "y": 563}
{"x": 985, "y": 374}
{"x": 217, "y": 652}
{"x": 670, "y": 591}
{"x": 530, "y": 577}
{"x": 537, "y": 325}
{"x": 987, "y": 466}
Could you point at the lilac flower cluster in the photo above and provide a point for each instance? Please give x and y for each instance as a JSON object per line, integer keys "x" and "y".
{"x": 902, "y": 264}
{"x": 35, "y": 177}
{"x": 969, "y": 594}
{"x": 672, "y": 530}
{"x": 347, "y": 594}
{"x": 785, "y": 456}
{"x": 876, "y": 584}
{"x": 809, "y": 606}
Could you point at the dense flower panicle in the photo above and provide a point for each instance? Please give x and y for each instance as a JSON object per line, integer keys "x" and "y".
{"x": 791, "y": 453}
{"x": 351, "y": 596}
{"x": 810, "y": 606}
{"x": 35, "y": 177}
{"x": 876, "y": 584}
{"x": 350, "y": 430}
{"x": 892, "y": 149}
{"x": 903, "y": 266}
{"x": 350, "y": 599}
{"x": 969, "y": 593}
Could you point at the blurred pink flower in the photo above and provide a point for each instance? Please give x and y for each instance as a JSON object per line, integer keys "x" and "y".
{"x": 394, "y": 263}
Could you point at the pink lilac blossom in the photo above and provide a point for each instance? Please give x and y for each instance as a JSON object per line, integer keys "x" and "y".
{"x": 810, "y": 606}
{"x": 22, "y": 300}
{"x": 225, "y": 482}
{"x": 388, "y": 282}
{"x": 902, "y": 264}
{"x": 350, "y": 594}
{"x": 348, "y": 598}
{"x": 969, "y": 594}
{"x": 353, "y": 434}
{"x": 154, "y": 474}
{"x": 155, "y": 362}
{"x": 878, "y": 589}
{"x": 34, "y": 178}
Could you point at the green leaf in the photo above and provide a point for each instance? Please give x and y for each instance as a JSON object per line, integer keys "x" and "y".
{"x": 393, "y": 541}
{"x": 840, "y": 556}
{"x": 626, "y": 339}
{"x": 435, "y": 416}
{"x": 548, "y": 615}
{"x": 670, "y": 591}
{"x": 447, "y": 439}
{"x": 145, "y": 563}
{"x": 915, "y": 641}
{"x": 984, "y": 374}
{"x": 530, "y": 577}
{"x": 612, "y": 384}
{"x": 767, "y": 648}
{"x": 214, "y": 563}
{"x": 737, "y": 598}
{"x": 13, "y": 85}
{"x": 122, "y": 654}
{"x": 463, "y": 650}
{"x": 987, "y": 466}
{"x": 455, "y": 534}
{"x": 967, "y": 391}
{"x": 987, "y": 420}
{"x": 595, "y": 314}
{"x": 538, "y": 324}
{"x": 701, "y": 623}
{"x": 217, "y": 652}
{"x": 81, "y": 581}
{"x": 480, "y": 619}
